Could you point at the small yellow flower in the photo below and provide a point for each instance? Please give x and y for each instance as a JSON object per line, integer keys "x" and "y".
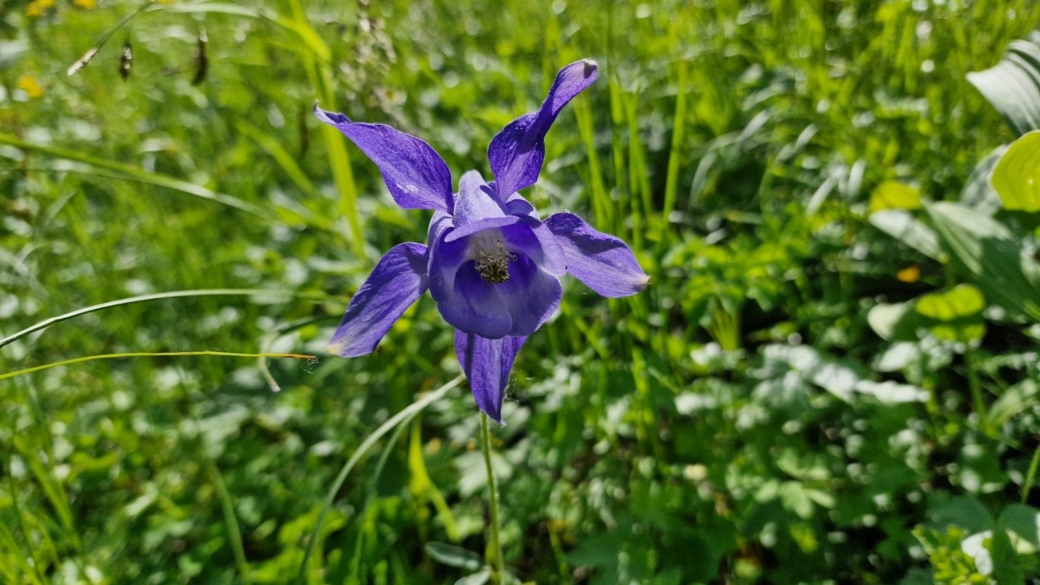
{"x": 33, "y": 10}
{"x": 909, "y": 274}
{"x": 45, "y": 3}
{"x": 29, "y": 85}
{"x": 85, "y": 4}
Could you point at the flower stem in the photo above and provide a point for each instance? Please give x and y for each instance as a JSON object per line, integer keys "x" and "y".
{"x": 496, "y": 543}
{"x": 1030, "y": 475}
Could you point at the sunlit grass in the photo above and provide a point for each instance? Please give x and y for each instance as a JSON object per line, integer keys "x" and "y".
{"x": 740, "y": 421}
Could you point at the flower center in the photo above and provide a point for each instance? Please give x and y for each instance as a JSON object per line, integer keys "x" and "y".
{"x": 491, "y": 257}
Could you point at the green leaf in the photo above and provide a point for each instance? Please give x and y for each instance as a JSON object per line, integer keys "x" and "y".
{"x": 902, "y": 226}
{"x": 965, "y": 512}
{"x": 894, "y": 195}
{"x": 475, "y": 579}
{"x": 978, "y": 192}
{"x": 454, "y": 556}
{"x": 1006, "y": 567}
{"x": 995, "y": 259}
{"x": 1022, "y": 520}
{"x": 893, "y": 321}
{"x": 1014, "y": 400}
{"x": 1013, "y": 85}
{"x": 957, "y": 313}
{"x": 1016, "y": 177}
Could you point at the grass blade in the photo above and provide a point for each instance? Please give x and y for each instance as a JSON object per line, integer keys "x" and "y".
{"x": 159, "y": 296}
{"x": 367, "y": 444}
{"x": 113, "y": 356}
{"x": 129, "y": 172}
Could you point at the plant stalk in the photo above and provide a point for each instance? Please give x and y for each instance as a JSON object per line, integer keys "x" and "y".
{"x": 496, "y": 542}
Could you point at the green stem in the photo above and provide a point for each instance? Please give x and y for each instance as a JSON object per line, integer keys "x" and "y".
{"x": 112, "y": 356}
{"x": 496, "y": 542}
{"x": 159, "y": 296}
{"x": 36, "y": 566}
{"x": 976, "y": 389}
{"x": 228, "y": 508}
{"x": 1030, "y": 475}
{"x": 672, "y": 181}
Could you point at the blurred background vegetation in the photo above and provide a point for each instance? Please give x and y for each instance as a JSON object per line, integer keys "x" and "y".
{"x": 831, "y": 379}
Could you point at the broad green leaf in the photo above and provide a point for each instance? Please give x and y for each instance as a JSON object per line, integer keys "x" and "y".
{"x": 1013, "y": 85}
{"x": 992, "y": 256}
{"x": 1017, "y": 175}
{"x": 454, "y": 556}
{"x": 895, "y": 322}
{"x": 902, "y": 226}
{"x": 1022, "y": 520}
{"x": 894, "y": 195}
{"x": 1006, "y": 567}
{"x": 966, "y": 512}
{"x": 978, "y": 192}
{"x": 475, "y": 579}
{"x": 957, "y": 312}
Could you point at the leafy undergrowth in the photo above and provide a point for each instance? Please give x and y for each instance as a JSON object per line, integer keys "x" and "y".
{"x": 831, "y": 378}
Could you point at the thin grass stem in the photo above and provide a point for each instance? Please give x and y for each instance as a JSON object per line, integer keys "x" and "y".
{"x": 217, "y": 292}
{"x": 113, "y": 356}
{"x": 1030, "y": 475}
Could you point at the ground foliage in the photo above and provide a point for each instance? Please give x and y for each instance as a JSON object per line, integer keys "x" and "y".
{"x": 832, "y": 377}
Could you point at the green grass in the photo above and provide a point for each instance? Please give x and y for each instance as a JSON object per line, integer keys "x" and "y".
{"x": 730, "y": 424}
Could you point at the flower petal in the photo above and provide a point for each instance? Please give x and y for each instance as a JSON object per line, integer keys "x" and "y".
{"x": 397, "y": 281}
{"x": 474, "y": 305}
{"x": 531, "y": 295}
{"x": 517, "y": 205}
{"x": 475, "y": 201}
{"x": 534, "y": 239}
{"x": 416, "y": 175}
{"x": 516, "y": 153}
{"x": 517, "y": 306}
{"x": 603, "y": 262}
{"x": 481, "y": 225}
{"x": 487, "y": 363}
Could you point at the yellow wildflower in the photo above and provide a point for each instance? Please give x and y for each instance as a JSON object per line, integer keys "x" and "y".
{"x": 29, "y": 85}
{"x": 85, "y": 4}
{"x": 909, "y": 274}
{"x": 45, "y": 3}
{"x": 33, "y": 9}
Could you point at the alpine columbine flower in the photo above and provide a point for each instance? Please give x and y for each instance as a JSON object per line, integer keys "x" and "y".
{"x": 491, "y": 264}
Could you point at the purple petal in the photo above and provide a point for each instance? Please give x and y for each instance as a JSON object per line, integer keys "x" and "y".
{"x": 447, "y": 259}
{"x": 397, "y": 281}
{"x": 530, "y": 295}
{"x": 515, "y": 307}
{"x": 475, "y": 201}
{"x": 517, "y": 205}
{"x": 604, "y": 263}
{"x": 534, "y": 239}
{"x": 487, "y": 363}
{"x": 516, "y": 153}
{"x": 481, "y": 225}
{"x": 413, "y": 171}
{"x": 438, "y": 223}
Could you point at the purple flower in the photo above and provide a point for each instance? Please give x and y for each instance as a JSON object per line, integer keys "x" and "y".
{"x": 491, "y": 264}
